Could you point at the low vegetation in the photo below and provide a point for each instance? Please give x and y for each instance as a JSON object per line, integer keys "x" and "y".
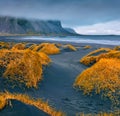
{"x": 24, "y": 66}
{"x": 38, "y": 103}
{"x": 32, "y": 47}
{"x": 47, "y": 48}
{"x": 102, "y": 78}
{"x": 71, "y": 47}
{"x": 35, "y": 47}
{"x": 45, "y": 60}
{"x": 99, "y": 51}
{"x": 87, "y": 47}
{"x": 19, "y": 46}
{"x": 116, "y": 48}
{"x": 58, "y": 45}
{"x": 4, "y": 45}
{"x": 96, "y": 55}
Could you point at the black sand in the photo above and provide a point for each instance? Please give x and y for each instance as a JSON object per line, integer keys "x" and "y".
{"x": 57, "y": 86}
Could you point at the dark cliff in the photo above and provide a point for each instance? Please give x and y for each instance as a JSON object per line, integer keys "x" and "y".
{"x": 10, "y": 25}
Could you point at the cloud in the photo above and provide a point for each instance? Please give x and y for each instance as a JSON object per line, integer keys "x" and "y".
{"x": 70, "y": 12}
{"x": 112, "y": 27}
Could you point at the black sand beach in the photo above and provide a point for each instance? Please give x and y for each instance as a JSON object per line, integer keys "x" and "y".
{"x": 57, "y": 85}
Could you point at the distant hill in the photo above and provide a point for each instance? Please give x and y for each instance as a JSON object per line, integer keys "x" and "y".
{"x": 70, "y": 30}
{"x": 11, "y": 25}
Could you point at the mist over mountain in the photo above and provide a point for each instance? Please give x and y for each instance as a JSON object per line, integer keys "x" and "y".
{"x": 12, "y": 25}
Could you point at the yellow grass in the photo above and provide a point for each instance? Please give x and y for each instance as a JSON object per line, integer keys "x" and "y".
{"x": 35, "y": 47}
{"x": 102, "y": 78}
{"x": 87, "y": 47}
{"x": 116, "y": 48}
{"x": 71, "y": 47}
{"x": 47, "y": 48}
{"x": 38, "y": 103}
{"x": 3, "y": 102}
{"x": 8, "y": 55}
{"x": 100, "y": 50}
{"x": 95, "y": 55}
{"x": 45, "y": 60}
{"x": 58, "y": 45}
{"x": 4, "y": 45}
{"x": 32, "y": 46}
{"x": 24, "y": 66}
{"x": 18, "y": 46}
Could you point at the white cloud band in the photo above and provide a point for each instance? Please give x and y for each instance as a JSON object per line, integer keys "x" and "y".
{"x": 112, "y": 27}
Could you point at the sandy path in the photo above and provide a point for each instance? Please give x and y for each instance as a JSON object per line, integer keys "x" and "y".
{"x": 58, "y": 81}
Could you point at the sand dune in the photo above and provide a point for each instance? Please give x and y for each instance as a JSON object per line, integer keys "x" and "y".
{"x": 57, "y": 87}
{"x": 19, "y": 109}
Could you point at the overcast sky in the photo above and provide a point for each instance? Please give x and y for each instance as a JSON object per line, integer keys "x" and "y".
{"x": 85, "y": 16}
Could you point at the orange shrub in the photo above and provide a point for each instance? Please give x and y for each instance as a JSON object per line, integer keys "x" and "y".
{"x": 110, "y": 54}
{"x": 116, "y": 48}
{"x": 35, "y": 47}
{"x": 44, "y": 58}
{"x": 28, "y": 68}
{"x": 24, "y": 66}
{"x": 4, "y": 45}
{"x": 19, "y": 46}
{"x": 32, "y": 46}
{"x": 95, "y": 55}
{"x": 3, "y": 102}
{"x": 9, "y": 55}
{"x": 58, "y": 45}
{"x": 87, "y": 47}
{"x": 88, "y": 60}
{"x": 103, "y": 77}
{"x": 99, "y": 51}
{"x": 71, "y": 47}
{"x": 49, "y": 48}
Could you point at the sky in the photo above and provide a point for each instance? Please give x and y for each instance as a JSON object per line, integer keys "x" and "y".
{"x": 85, "y": 16}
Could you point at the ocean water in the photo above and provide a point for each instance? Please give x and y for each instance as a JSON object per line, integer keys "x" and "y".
{"x": 107, "y": 40}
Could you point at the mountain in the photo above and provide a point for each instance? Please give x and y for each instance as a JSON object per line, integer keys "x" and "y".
{"x": 70, "y": 30}
{"x": 12, "y": 25}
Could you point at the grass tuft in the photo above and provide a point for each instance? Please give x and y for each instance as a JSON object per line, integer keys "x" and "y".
{"x": 71, "y": 47}
{"x": 95, "y": 55}
{"x": 102, "y": 78}
{"x": 116, "y": 48}
{"x": 24, "y": 66}
{"x": 87, "y": 47}
{"x": 47, "y": 48}
{"x": 19, "y": 46}
{"x": 4, "y": 45}
{"x": 38, "y": 103}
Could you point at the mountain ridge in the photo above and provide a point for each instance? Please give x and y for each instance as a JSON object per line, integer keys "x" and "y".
{"x": 12, "y": 25}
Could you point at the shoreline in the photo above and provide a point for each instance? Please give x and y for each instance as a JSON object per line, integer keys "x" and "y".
{"x": 51, "y": 41}
{"x": 75, "y": 40}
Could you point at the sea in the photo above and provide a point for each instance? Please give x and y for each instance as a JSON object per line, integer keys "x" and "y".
{"x": 94, "y": 39}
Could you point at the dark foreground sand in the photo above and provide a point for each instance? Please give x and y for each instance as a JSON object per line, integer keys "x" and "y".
{"x": 20, "y": 109}
{"x": 57, "y": 87}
